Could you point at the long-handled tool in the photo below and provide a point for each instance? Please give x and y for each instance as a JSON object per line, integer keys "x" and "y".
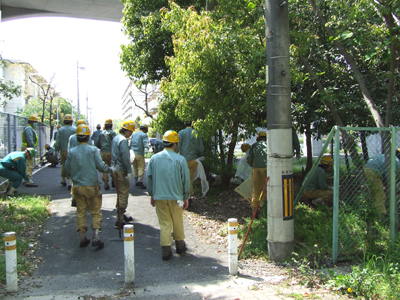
{"x": 119, "y": 212}
{"x": 254, "y": 215}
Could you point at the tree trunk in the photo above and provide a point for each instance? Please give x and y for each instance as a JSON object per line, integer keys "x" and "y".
{"x": 309, "y": 148}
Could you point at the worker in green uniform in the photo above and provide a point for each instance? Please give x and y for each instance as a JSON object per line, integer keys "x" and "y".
{"x": 30, "y": 140}
{"x": 317, "y": 187}
{"x": 13, "y": 167}
{"x": 257, "y": 159}
{"x": 81, "y": 165}
{"x": 104, "y": 144}
{"x": 139, "y": 143}
{"x": 61, "y": 146}
{"x": 121, "y": 157}
{"x": 168, "y": 184}
{"x": 191, "y": 147}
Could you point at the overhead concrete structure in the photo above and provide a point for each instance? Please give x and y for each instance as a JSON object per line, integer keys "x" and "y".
{"x": 106, "y": 10}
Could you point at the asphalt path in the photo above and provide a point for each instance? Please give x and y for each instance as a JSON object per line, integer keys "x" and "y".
{"x": 69, "y": 272}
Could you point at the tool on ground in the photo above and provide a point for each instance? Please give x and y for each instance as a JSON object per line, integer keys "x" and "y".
{"x": 254, "y": 215}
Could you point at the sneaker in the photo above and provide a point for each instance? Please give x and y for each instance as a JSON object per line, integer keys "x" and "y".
{"x": 99, "y": 244}
{"x": 166, "y": 252}
{"x": 140, "y": 184}
{"x": 180, "y": 247}
{"x": 31, "y": 185}
{"x": 128, "y": 219}
{"x": 73, "y": 202}
{"x": 63, "y": 183}
{"x": 84, "y": 242}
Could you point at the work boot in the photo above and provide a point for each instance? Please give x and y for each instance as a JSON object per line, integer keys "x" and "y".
{"x": 63, "y": 183}
{"x": 166, "y": 252}
{"x": 112, "y": 184}
{"x": 180, "y": 247}
{"x": 140, "y": 184}
{"x": 69, "y": 184}
{"x": 84, "y": 240}
{"x": 8, "y": 186}
{"x": 96, "y": 239}
{"x": 31, "y": 185}
{"x": 107, "y": 187}
{"x": 73, "y": 202}
{"x": 10, "y": 192}
{"x": 127, "y": 219}
{"x": 136, "y": 180}
{"x": 116, "y": 225}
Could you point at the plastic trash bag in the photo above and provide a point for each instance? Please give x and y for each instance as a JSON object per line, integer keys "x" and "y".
{"x": 131, "y": 155}
{"x": 200, "y": 173}
{"x": 243, "y": 170}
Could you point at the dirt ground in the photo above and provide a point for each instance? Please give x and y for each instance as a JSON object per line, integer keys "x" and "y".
{"x": 210, "y": 219}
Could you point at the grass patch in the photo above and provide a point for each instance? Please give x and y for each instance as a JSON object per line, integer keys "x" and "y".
{"x": 25, "y": 216}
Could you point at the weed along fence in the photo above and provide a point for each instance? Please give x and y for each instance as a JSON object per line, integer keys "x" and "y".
{"x": 366, "y": 188}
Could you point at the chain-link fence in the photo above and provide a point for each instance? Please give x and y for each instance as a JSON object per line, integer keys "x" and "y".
{"x": 11, "y": 128}
{"x": 365, "y": 187}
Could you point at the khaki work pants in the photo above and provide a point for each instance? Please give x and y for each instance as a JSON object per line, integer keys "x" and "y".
{"x": 326, "y": 195}
{"x": 192, "y": 164}
{"x": 29, "y": 164}
{"x": 63, "y": 158}
{"x": 88, "y": 197}
{"x": 123, "y": 193}
{"x": 170, "y": 217}
{"x": 375, "y": 184}
{"x": 259, "y": 176}
{"x": 106, "y": 157}
{"x": 138, "y": 166}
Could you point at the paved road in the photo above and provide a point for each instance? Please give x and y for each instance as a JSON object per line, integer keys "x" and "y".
{"x": 69, "y": 271}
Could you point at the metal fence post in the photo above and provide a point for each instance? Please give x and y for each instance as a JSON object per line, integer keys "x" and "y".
{"x": 392, "y": 197}
{"x": 336, "y": 171}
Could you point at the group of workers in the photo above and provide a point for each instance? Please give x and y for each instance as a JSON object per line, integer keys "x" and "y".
{"x": 169, "y": 175}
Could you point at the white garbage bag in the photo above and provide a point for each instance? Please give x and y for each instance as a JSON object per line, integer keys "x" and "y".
{"x": 243, "y": 170}
{"x": 200, "y": 173}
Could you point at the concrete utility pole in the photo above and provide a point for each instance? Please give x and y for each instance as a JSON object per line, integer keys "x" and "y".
{"x": 77, "y": 88}
{"x": 279, "y": 124}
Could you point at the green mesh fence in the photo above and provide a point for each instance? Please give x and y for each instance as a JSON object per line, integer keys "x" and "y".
{"x": 365, "y": 187}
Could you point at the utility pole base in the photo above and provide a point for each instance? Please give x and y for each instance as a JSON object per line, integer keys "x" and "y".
{"x": 279, "y": 251}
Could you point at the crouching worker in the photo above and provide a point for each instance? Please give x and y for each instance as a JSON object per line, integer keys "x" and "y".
{"x": 81, "y": 164}
{"x": 50, "y": 157}
{"x": 317, "y": 188}
{"x": 13, "y": 167}
{"x": 168, "y": 184}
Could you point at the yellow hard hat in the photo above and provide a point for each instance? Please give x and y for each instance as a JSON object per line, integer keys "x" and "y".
{"x": 108, "y": 121}
{"x": 81, "y": 122}
{"x": 261, "y": 134}
{"x": 83, "y": 130}
{"x": 68, "y": 117}
{"x": 58, "y": 126}
{"x": 128, "y": 124}
{"x": 245, "y": 147}
{"x": 47, "y": 146}
{"x": 33, "y": 118}
{"x": 171, "y": 136}
{"x": 326, "y": 160}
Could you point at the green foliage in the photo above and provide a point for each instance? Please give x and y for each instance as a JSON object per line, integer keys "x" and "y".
{"x": 256, "y": 242}
{"x": 18, "y": 214}
{"x": 8, "y": 89}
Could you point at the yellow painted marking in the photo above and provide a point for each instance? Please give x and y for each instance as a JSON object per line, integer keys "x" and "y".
{"x": 9, "y": 248}
{"x": 128, "y": 238}
{"x": 232, "y": 231}
{"x": 234, "y": 224}
{"x": 9, "y": 238}
{"x": 129, "y": 230}
{"x": 286, "y": 197}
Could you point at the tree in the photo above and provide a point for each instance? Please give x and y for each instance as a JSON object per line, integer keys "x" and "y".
{"x": 8, "y": 89}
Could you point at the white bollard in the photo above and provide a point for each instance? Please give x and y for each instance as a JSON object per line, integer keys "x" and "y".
{"x": 233, "y": 254}
{"x": 10, "y": 242}
{"x": 129, "y": 252}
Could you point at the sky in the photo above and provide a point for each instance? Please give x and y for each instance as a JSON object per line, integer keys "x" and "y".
{"x": 54, "y": 45}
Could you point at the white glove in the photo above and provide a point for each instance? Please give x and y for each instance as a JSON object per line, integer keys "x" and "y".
{"x": 128, "y": 177}
{"x": 115, "y": 169}
{"x": 29, "y": 182}
{"x": 180, "y": 202}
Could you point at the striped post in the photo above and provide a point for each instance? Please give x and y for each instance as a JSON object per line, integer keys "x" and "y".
{"x": 129, "y": 253}
{"x": 10, "y": 241}
{"x": 233, "y": 255}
